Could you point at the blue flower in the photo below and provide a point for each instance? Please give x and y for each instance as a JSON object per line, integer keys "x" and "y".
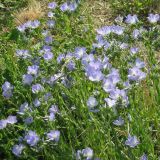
{"x": 32, "y": 138}
{"x": 110, "y": 102}
{"x": 51, "y": 116}
{"x": 47, "y": 48}
{"x": 136, "y": 33}
{"x": 134, "y": 50}
{"x": 17, "y": 149}
{"x": 79, "y": 52}
{"x": 68, "y": 6}
{"x": 153, "y": 18}
{"x": 71, "y": 65}
{"x": 48, "y": 39}
{"x": 21, "y": 28}
{"x": 50, "y": 14}
{"x": 45, "y": 32}
{"x": 34, "y": 24}
{"x": 69, "y": 55}
{"x": 28, "y": 24}
{"x": 118, "y": 122}
{"x": 51, "y": 23}
{"x": 47, "y": 96}
{"x": 36, "y": 88}
{"x": 7, "y": 86}
{"x": 132, "y": 141}
{"x": 106, "y": 45}
{"x": 144, "y": 157}
{"x": 139, "y": 63}
{"x": 73, "y": 7}
{"x": 7, "y": 94}
{"x": 114, "y": 76}
{"x": 104, "y": 30}
{"x": 108, "y": 85}
{"x": 123, "y": 45}
{"x": 127, "y": 85}
{"x": 64, "y": 7}
{"x": 92, "y": 102}
{"x": 33, "y": 69}
{"x": 87, "y": 153}
{"x": 24, "y": 107}
{"x": 54, "y": 109}
{"x": 78, "y": 155}
{"x": 131, "y": 19}
{"x": 53, "y": 135}
{"x": 87, "y": 58}
{"x": 11, "y": 119}
{"x": 48, "y": 56}
{"x": 94, "y": 75}
{"x": 22, "y": 53}
{"x": 27, "y": 79}
{"x": 52, "y": 5}
{"x": 7, "y": 90}
{"x": 135, "y": 74}
{"x": 100, "y": 42}
{"x": 105, "y": 63}
{"x": 3, "y": 124}
{"x": 60, "y": 58}
{"x": 93, "y": 71}
{"x": 54, "y": 78}
{"x": 115, "y": 94}
{"x": 36, "y": 102}
{"x": 28, "y": 120}
{"x": 117, "y": 30}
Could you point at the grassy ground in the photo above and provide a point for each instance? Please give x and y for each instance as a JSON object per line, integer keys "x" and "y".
{"x": 79, "y": 127}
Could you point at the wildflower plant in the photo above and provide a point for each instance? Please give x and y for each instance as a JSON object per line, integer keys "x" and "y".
{"x": 72, "y": 88}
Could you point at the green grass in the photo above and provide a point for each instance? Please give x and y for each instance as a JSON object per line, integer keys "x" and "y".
{"x": 79, "y": 127}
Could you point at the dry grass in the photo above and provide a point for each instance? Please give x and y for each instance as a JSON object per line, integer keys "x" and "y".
{"x": 101, "y": 12}
{"x": 34, "y": 10}
{"x": 98, "y": 9}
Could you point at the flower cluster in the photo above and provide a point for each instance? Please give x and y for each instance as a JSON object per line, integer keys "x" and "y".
{"x": 10, "y": 120}
{"x": 7, "y": 90}
{"x": 153, "y": 18}
{"x": 132, "y": 141}
{"x": 110, "y": 29}
{"x": 22, "y": 53}
{"x": 28, "y": 25}
{"x": 86, "y": 153}
{"x": 53, "y": 135}
{"x": 46, "y": 68}
{"x": 133, "y": 19}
